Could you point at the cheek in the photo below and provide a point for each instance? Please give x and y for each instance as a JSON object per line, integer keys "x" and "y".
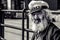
{"x": 32, "y": 17}
{"x": 41, "y": 16}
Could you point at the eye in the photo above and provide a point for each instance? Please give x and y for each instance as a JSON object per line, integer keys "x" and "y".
{"x": 43, "y": 17}
{"x": 33, "y": 14}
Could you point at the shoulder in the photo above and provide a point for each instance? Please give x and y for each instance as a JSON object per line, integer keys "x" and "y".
{"x": 54, "y": 29}
{"x": 55, "y": 32}
{"x": 56, "y": 35}
{"x": 52, "y": 25}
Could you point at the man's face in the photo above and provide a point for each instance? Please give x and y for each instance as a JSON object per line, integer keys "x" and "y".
{"x": 39, "y": 21}
{"x": 37, "y": 17}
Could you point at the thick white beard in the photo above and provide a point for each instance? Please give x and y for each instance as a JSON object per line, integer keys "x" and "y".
{"x": 41, "y": 26}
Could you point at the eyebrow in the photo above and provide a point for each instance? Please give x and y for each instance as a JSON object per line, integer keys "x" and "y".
{"x": 36, "y": 12}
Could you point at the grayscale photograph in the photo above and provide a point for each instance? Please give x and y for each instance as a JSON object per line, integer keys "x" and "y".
{"x": 29, "y": 20}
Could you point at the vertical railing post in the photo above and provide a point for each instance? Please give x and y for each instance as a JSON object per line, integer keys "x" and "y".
{"x": 26, "y": 7}
{"x": 23, "y": 24}
{"x": 1, "y": 20}
{"x": 27, "y": 28}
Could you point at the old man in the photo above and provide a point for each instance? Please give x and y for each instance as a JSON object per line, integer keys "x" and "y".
{"x": 41, "y": 22}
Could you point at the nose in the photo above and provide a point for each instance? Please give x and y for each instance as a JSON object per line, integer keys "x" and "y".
{"x": 36, "y": 17}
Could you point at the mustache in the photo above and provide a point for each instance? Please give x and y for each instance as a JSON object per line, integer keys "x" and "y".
{"x": 37, "y": 21}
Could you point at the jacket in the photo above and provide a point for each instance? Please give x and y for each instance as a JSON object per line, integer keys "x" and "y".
{"x": 52, "y": 32}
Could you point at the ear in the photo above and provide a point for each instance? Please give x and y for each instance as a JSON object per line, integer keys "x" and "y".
{"x": 28, "y": 13}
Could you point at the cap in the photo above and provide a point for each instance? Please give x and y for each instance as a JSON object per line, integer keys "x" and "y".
{"x": 37, "y": 5}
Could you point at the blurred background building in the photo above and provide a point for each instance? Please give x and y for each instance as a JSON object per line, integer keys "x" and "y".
{"x": 21, "y": 4}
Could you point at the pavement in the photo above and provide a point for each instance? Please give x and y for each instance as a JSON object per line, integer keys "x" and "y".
{"x": 13, "y": 34}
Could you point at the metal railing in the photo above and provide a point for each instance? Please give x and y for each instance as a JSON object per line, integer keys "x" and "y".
{"x": 23, "y": 29}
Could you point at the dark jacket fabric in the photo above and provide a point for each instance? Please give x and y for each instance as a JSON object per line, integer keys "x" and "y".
{"x": 52, "y": 32}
